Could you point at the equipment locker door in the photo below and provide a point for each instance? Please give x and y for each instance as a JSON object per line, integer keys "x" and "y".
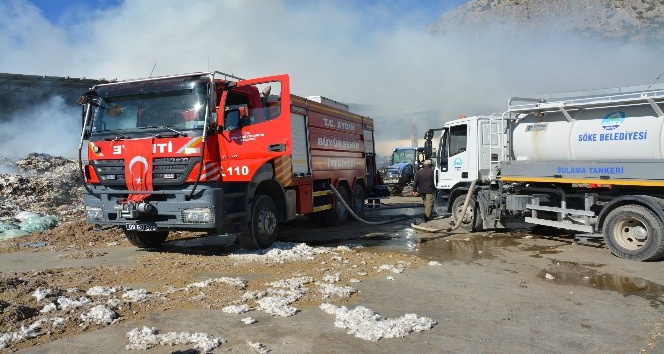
{"x": 301, "y": 156}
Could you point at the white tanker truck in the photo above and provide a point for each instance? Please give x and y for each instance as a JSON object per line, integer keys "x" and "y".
{"x": 592, "y": 165}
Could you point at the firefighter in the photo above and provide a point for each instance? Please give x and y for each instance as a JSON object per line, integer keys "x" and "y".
{"x": 423, "y": 186}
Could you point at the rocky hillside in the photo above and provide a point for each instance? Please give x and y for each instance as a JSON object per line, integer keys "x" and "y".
{"x": 628, "y": 20}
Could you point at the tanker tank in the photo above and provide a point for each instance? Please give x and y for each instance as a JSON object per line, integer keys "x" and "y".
{"x": 625, "y": 132}
{"x": 598, "y": 140}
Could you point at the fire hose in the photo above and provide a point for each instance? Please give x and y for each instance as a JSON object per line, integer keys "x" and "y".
{"x": 457, "y": 223}
{"x": 358, "y": 218}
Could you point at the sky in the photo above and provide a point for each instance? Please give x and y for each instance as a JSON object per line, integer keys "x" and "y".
{"x": 376, "y": 53}
{"x": 58, "y": 11}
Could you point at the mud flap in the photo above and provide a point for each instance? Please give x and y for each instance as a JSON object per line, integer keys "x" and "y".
{"x": 440, "y": 203}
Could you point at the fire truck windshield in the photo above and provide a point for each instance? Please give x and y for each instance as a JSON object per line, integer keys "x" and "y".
{"x": 171, "y": 110}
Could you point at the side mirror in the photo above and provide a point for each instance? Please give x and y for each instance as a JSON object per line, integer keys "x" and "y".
{"x": 83, "y": 100}
{"x": 266, "y": 91}
{"x": 89, "y": 97}
{"x": 428, "y": 149}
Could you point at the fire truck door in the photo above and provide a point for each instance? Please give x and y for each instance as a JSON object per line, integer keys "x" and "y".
{"x": 256, "y": 125}
{"x": 454, "y": 157}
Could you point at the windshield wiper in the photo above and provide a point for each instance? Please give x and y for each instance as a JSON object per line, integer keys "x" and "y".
{"x": 178, "y": 133}
{"x": 118, "y": 135}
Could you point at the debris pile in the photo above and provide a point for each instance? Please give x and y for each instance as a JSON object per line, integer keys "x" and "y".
{"x": 43, "y": 184}
{"x": 41, "y": 191}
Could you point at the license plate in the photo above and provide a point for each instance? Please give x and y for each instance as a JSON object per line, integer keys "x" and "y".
{"x": 141, "y": 227}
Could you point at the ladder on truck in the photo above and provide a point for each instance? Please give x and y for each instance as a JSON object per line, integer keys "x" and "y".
{"x": 497, "y": 143}
{"x": 564, "y": 105}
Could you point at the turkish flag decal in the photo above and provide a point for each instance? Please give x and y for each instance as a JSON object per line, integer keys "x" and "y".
{"x": 138, "y": 167}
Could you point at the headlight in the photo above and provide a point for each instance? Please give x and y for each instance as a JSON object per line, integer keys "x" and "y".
{"x": 94, "y": 213}
{"x": 197, "y": 215}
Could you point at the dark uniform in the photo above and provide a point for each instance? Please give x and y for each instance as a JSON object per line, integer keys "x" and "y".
{"x": 424, "y": 186}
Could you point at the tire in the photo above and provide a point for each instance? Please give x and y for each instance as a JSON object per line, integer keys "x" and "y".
{"x": 263, "y": 225}
{"x": 146, "y": 239}
{"x": 338, "y": 214}
{"x": 634, "y": 232}
{"x": 470, "y": 221}
{"x": 357, "y": 202}
{"x": 316, "y": 218}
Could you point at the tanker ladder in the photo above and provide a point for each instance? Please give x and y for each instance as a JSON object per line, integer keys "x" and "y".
{"x": 498, "y": 144}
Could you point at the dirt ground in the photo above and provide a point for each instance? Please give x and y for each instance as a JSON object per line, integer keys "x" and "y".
{"x": 78, "y": 289}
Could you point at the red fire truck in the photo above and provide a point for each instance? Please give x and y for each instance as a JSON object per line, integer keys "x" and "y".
{"x": 216, "y": 153}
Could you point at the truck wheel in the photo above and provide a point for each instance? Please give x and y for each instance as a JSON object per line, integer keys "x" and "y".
{"x": 316, "y": 218}
{"x": 339, "y": 213}
{"x": 634, "y": 232}
{"x": 470, "y": 221}
{"x": 357, "y": 202}
{"x": 263, "y": 225}
{"x": 146, "y": 239}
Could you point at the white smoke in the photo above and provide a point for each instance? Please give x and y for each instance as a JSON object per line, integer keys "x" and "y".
{"x": 51, "y": 127}
{"x": 373, "y": 54}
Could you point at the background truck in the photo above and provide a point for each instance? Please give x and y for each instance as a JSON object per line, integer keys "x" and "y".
{"x": 404, "y": 163}
{"x": 202, "y": 152}
{"x": 593, "y": 165}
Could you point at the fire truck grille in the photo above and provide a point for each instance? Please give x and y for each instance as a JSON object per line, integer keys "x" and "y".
{"x": 165, "y": 171}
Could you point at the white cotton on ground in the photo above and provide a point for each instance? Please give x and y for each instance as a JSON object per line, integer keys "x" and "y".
{"x": 291, "y": 295}
{"x": 252, "y": 295}
{"x": 258, "y": 347}
{"x": 435, "y": 263}
{"x": 99, "y": 315}
{"x": 368, "y": 325}
{"x": 276, "y": 306}
{"x": 146, "y": 338}
{"x": 103, "y": 290}
{"x": 41, "y": 293}
{"x": 248, "y": 320}
{"x": 328, "y": 290}
{"x": 236, "y": 308}
{"x": 33, "y": 330}
{"x": 135, "y": 295}
{"x": 394, "y": 269}
{"x": 57, "y": 321}
{"x": 332, "y": 278}
{"x": 48, "y": 308}
{"x": 291, "y": 283}
{"x": 66, "y": 304}
{"x": 235, "y": 282}
{"x": 291, "y": 289}
{"x": 281, "y": 252}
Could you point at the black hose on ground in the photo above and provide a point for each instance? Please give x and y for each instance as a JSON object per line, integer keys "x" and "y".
{"x": 458, "y": 220}
{"x": 356, "y": 217}
{"x": 391, "y": 207}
